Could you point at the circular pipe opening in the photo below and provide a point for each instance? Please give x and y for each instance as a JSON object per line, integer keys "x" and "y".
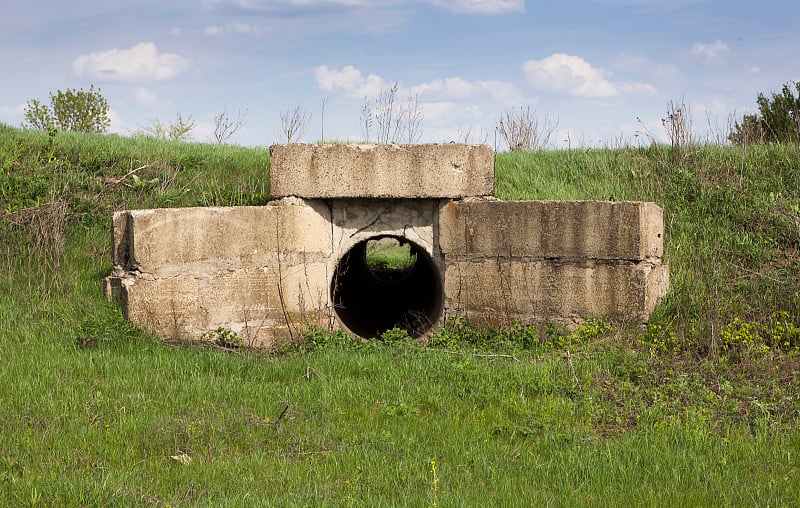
{"x": 387, "y": 282}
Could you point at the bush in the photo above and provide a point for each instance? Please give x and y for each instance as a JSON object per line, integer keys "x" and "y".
{"x": 179, "y": 130}
{"x": 523, "y": 129}
{"x": 777, "y": 121}
{"x": 73, "y": 110}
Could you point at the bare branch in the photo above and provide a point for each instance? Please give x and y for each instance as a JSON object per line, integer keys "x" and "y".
{"x": 469, "y": 137}
{"x": 386, "y": 119}
{"x": 294, "y": 123}
{"x": 226, "y": 125}
{"x": 366, "y": 119}
{"x": 524, "y": 130}
{"x": 413, "y": 119}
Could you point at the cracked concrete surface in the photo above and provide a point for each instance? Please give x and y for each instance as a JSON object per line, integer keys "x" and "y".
{"x": 269, "y": 272}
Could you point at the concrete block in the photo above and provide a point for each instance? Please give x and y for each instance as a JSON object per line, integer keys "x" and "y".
{"x": 259, "y": 305}
{"x": 502, "y": 291}
{"x": 258, "y": 271}
{"x": 381, "y": 171}
{"x": 552, "y": 229}
{"x": 218, "y": 238}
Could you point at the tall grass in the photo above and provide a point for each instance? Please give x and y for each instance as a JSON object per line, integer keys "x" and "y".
{"x": 701, "y": 408}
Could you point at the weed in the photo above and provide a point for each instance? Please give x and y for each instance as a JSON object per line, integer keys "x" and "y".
{"x": 523, "y": 130}
{"x": 223, "y": 337}
{"x": 434, "y": 484}
{"x": 395, "y": 335}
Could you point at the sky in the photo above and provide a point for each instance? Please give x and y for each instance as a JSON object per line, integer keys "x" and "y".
{"x": 602, "y": 72}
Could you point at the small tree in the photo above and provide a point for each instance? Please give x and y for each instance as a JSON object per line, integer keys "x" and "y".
{"x": 73, "y": 110}
{"x": 393, "y": 121}
{"x": 226, "y": 125}
{"x": 468, "y": 136}
{"x": 777, "y": 121}
{"x": 179, "y": 130}
{"x": 294, "y": 123}
{"x": 679, "y": 126}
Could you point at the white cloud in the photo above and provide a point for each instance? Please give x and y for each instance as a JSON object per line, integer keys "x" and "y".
{"x": 502, "y": 92}
{"x": 572, "y": 75}
{"x": 713, "y": 54}
{"x": 456, "y": 88}
{"x": 481, "y": 6}
{"x": 144, "y": 98}
{"x": 354, "y": 83}
{"x": 203, "y": 131}
{"x": 636, "y": 88}
{"x": 142, "y": 62}
{"x": 350, "y": 81}
{"x": 569, "y": 74}
{"x": 449, "y": 87}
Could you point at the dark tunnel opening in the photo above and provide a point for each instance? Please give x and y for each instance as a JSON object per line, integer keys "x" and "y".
{"x": 371, "y": 295}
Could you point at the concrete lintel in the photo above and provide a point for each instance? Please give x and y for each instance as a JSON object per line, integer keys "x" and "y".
{"x": 382, "y": 171}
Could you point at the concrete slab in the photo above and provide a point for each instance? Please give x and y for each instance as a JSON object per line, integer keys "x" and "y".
{"x": 381, "y": 171}
{"x": 501, "y": 291}
{"x": 257, "y": 271}
{"x": 546, "y": 261}
{"x": 553, "y": 229}
{"x": 224, "y": 237}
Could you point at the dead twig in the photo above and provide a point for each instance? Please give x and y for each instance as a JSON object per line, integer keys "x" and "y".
{"x": 280, "y": 416}
{"x": 572, "y": 371}
{"x": 477, "y": 355}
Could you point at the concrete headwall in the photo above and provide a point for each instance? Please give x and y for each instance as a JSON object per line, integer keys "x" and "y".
{"x": 271, "y": 271}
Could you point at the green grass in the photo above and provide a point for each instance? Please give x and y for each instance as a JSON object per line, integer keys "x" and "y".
{"x": 389, "y": 256}
{"x": 701, "y": 408}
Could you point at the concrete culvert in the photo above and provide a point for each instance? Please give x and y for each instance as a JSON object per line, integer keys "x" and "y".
{"x": 386, "y": 282}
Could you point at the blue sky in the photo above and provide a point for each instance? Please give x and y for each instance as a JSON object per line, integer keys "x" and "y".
{"x": 605, "y": 69}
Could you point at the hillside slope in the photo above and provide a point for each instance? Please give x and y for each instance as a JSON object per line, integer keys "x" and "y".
{"x": 701, "y": 408}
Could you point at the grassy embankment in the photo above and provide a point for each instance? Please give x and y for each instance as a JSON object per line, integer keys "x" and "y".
{"x": 700, "y": 409}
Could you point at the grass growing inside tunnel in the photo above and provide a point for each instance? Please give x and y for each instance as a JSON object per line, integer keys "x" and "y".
{"x": 395, "y": 287}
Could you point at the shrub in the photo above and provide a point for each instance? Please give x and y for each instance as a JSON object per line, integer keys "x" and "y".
{"x": 73, "y": 110}
{"x": 523, "y": 129}
{"x": 777, "y": 121}
{"x": 179, "y": 130}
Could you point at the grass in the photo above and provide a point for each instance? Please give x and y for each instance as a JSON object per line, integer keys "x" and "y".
{"x": 388, "y": 254}
{"x": 700, "y": 408}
